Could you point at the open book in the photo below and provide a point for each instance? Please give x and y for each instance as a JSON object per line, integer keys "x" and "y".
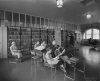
{"x": 40, "y": 48}
{"x": 61, "y": 53}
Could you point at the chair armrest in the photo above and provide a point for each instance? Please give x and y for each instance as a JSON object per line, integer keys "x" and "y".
{"x": 71, "y": 54}
{"x": 74, "y": 59}
{"x": 32, "y": 52}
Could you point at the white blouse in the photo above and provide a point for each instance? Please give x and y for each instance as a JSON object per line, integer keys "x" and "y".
{"x": 51, "y": 60}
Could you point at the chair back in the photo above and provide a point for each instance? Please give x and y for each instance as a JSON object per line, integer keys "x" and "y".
{"x": 70, "y": 55}
{"x": 32, "y": 52}
{"x": 9, "y": 54}
{"x": 44, "y": 58}
{"x": 12, "y": 53}
{"x": 57, "y": 52}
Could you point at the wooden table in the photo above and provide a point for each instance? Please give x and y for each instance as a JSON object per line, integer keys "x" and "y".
{"x": 72, "y": 60}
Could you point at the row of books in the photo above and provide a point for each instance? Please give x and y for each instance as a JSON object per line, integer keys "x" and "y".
{"x": 63, "y": 37}
{"x": 25, "y": 38}
{"x": 14, "y": 33}
{"x": 13, "y": 37}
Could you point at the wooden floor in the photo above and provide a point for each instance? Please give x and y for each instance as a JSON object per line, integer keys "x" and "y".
{"x": 27, "y": 72}
{"x": 92, "y": 60}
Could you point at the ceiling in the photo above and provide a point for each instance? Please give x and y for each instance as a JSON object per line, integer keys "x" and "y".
{"x": 72, "y": 11}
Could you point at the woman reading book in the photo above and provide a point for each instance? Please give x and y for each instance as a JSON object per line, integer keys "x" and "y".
{"x": 15, "y": 52}
{"x": 54, "y": 61}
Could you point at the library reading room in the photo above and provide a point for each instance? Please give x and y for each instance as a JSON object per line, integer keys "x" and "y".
{"x": 49, "y": 40}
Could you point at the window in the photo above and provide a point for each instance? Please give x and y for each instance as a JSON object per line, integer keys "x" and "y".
{"x": 91, "y": 33}
{"x": 95, "y": 34}
{"x": 84, "y": 36}
{"x": 88, "y": 36}
{"x": 95, "y": 31}
{"x": 1, "y": 15}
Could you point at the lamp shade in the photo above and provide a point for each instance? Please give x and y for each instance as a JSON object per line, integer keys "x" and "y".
{"x": 59, "y": 3}
{"x": 88, "y": 16}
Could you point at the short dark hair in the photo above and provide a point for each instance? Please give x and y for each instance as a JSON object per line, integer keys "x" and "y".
{"x": 58, "y": 46}
{"x": 49, "y": 48}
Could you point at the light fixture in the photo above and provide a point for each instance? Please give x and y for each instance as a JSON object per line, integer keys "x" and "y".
{"x": 88, "y": 16}
{"x": 59, "y": 3}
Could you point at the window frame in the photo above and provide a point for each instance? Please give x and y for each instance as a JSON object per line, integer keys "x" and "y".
{"x": 92, "y": 34}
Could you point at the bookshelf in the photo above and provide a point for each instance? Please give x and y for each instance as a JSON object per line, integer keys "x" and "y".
{"x": 43, "y": 35}
{"x": 35, "y": 35}
{"x": 22, "y": 37}
{"x": 64, "y": 34}
{"x": 43, "y": 30}
{"x": 51, "y": 35}
{"x": 25, "y": 40}
{"x": 13, "y": 35}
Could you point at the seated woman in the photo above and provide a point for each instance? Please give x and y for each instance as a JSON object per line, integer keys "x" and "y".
{"x": 37, "y": 44}
{"x": 43, "y": 44}
{"x": 54, "y": 61}
{"x": 41, "y": 47}
{"x": 57, "y": 51}
{"x": 54, "y": 47}
{"x": 15, "y": 52}
{"x": 36, "y": 51}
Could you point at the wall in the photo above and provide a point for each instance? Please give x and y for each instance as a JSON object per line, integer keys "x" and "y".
{"x": 0, "y": 42}
{"x": 3, "y": 42}
{"x": 86, "y": 27}
{"x": 72, "y": 10}
{"x": 58, "y": 37}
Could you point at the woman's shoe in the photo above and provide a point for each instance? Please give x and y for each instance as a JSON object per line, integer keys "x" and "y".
{"x": 20, "y": 60}
{"x": 63, "y": 69}
{"x": 67, "y": 73}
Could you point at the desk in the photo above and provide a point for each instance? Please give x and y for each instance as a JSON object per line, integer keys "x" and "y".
{"x": 72, "y": 60}
{"x": 38, "y": 52}
{"x": 40, "y": 48}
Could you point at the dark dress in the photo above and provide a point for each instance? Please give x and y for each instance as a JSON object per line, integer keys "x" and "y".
{"x": 72, "y": 40}
{"x": 90, "y": 41}
{"x": 66, "y": 54}
{"x": 53, "y": 47}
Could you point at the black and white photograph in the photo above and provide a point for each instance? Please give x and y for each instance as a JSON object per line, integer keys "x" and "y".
{"x": 49, "y": 40}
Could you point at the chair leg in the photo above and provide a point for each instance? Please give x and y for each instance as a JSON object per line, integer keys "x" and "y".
{"x": 33, "y": 61}
{"x": 52, "y": 70}
{"x": 12, "y": 60}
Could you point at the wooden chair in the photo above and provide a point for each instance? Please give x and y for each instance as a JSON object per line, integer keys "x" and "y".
{"x": 13, "y": 58}
{"x": 35, "y": 58}
{"x": 48, "y": 65}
